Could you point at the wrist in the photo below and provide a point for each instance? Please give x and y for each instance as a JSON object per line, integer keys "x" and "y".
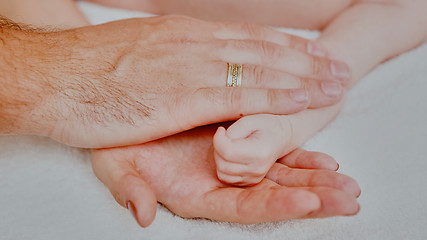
{"x": 25, "y": 85}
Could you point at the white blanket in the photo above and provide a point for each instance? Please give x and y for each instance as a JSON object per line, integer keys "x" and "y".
{"x": 48, "y": 190}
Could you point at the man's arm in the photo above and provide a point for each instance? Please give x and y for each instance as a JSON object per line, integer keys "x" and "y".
{"x": 21, "y": 95}
{"x": 22, "y": 91}
{"x": 90, "y": 97}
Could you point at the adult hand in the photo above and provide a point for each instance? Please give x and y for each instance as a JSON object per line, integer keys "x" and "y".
{"x": 133, "y": 81}
{"x": 179, "y": 172}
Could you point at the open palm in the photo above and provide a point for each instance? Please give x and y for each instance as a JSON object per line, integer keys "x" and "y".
{"x": 179, "y": 172}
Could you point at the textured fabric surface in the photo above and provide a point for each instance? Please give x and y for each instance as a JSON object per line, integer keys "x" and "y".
{"x": 48, "y": 190}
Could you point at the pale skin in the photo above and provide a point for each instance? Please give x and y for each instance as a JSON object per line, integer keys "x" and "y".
{"x": 117, "y": 168}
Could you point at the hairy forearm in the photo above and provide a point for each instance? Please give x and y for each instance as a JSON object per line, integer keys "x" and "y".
{"x": 41, "y": 13}
{"x": 23, "y": 83}
{"x": 26, "y": 54}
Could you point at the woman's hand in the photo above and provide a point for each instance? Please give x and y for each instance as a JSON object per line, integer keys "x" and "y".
{"x": 137, "y": 80}
{"x": 179, "y": 172}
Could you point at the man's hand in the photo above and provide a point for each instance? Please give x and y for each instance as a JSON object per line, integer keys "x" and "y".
{"x": 137, "y": 80}
{"x": 179, "y": 172}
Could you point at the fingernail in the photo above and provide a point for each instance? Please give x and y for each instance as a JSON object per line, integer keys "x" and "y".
{"x": 340, "y": 70}
{"x": 331, "y": 89}
{"x": 131, "y": 209}
{"x": 354, "y": 213}
{"x": 299, "y": 95}
{"x": 316, "y": 49}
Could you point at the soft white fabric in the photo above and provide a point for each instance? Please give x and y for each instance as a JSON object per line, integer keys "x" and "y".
{"x": 48, "y": 190}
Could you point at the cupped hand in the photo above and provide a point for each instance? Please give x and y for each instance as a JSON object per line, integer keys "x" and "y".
{"x": 132, "y": 81}
{"x": 179, "y": 172}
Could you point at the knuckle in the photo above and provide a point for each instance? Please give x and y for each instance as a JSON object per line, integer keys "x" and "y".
{"x": 221, "y": 166}
{"x": 236, "y": 98}
{"x": 315, "y": 65}
{"x": 305, "y": 83}
{"x": 270, "y": 51}
{"x": 272, "y": 97}
{"x": 230, "y": 153}
{"x": 259, "y": 75}
{"x": 297, "y": 43}
{"x": 254, "y": 30}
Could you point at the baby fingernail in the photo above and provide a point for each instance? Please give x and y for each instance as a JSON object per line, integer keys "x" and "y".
{"x": 299, "y": 95}
{"x": 131, "y": 209}
{"x": 340, "y": 70}
{"x": 331, "y": 89}
{"x": 316, "y": 49}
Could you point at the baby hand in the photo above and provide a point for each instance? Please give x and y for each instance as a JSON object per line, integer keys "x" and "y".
{"x": 246, "y": 151}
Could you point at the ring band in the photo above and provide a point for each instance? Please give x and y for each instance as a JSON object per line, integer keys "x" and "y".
{"x": 234, "y": 76}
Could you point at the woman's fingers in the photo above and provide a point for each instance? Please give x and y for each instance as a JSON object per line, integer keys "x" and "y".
{"x": 248, "y": 31}
{"x": 125, "y": 184}
{"x": 300, "y": 158}
{"x": 289, "y": 177}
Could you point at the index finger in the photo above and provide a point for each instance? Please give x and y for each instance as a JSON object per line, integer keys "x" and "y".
{"x": 226, "y": 104}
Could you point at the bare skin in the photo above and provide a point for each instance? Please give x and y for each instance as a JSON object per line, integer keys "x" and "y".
{"x": 247, "y": 150}
{"x": 344, "y": 40}
{"x": 350, "y": 37}
{"x": 142, "y": 84}
{"x": 179, "y": 172}
{"x": 317, "y": 198}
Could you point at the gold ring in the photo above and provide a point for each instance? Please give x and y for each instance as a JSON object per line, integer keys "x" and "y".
{"x": 234, "y": 75}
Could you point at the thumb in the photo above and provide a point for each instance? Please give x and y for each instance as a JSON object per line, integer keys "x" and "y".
{"x": 114, "y": 168}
